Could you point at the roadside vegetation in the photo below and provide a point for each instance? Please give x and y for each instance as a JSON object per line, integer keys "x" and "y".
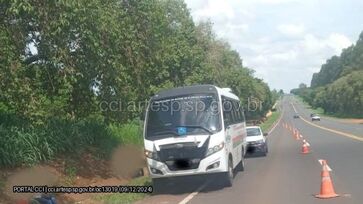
{"x": 271, "y": 120}
{"x": 74, "y": 73}
{"x": 319, "y": 110}
{"x": 2, "y": 184}
{"x": 25, "y": 143}
{"x": 75, "y": 77}
{"x": 127, "y": 198}
{"x": 337, "y": 88}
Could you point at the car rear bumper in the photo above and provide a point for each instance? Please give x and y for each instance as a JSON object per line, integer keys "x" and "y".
{"x": 252, "y": 147}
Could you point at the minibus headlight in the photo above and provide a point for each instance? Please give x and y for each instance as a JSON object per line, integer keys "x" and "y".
{"x": 151, "y": 155}
{"x": 214, "y": 149}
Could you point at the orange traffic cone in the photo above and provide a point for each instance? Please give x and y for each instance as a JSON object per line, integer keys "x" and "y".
{"x": 297, "y": 135}
{"x": 305, "y": 148}
{"x": 326, "y": 188}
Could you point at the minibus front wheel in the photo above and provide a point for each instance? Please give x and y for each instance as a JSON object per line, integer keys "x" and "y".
{"x": 228, "y": 176}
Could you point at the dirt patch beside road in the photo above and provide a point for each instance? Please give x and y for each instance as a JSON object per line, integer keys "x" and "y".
{"x": 34, "y": 176}
{"x": 81, "y": 171}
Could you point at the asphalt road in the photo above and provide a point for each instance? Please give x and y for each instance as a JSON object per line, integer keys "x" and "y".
{"x": 285, "y": 175}
{"x": 328, "y": 122}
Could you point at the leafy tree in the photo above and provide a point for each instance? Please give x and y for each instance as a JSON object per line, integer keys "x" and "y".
{"x": 302, "y": 86}
{"x": 71, "y": 62}
{"x": 337, "y": 87}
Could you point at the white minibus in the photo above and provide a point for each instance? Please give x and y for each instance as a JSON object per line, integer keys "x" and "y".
{"x": 194, "y": 130}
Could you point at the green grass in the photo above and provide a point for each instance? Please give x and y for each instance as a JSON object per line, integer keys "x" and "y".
{"x": 267, "y": 125}
{"x": 318, "y": 111}
{"x": 129, "y": 133}
{"x": 2, "y": 184}
{"x": 23, "y": 143}
{"x": 306, "y": 104}
{"x": 70, "y": 172}
{"x": 127, "y": 198}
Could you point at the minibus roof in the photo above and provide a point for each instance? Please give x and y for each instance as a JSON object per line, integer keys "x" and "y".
{"x": 196, "y": 89}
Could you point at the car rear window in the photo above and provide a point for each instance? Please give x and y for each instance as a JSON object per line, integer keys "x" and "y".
{"x": 253, "y": 131}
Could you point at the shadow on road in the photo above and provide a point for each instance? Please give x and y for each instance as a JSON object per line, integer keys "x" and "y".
{"x": 189, "y": 184}
{"x": 182, "y": 185}
{"x": 254, "y": 155}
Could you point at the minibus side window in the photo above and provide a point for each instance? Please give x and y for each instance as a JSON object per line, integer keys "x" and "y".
{"x": 242, "y": 113}
{"x": 227, "y": 112}
{"x": 237, "y": 112}
{"x": 234, "y": 112}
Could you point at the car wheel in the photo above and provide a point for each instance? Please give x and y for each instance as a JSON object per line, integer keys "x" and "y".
{"x": 228, "y": 176}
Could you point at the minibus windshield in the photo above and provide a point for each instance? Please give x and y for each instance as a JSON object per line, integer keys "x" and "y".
{"x": 196, "y": 114}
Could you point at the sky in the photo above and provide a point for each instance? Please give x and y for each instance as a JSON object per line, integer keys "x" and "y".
{"x": 284, "y": 41}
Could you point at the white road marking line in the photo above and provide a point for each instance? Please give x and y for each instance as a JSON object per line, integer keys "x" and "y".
{"x": 321, "y": 163}
{"x": 293, "y": 107}
{"x": 190, "y": 196}
{"x": 282, "y": 113}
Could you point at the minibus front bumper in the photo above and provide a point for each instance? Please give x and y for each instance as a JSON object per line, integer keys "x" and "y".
{"x": 215, "y": 163}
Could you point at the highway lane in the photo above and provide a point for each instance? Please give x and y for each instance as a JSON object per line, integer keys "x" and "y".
{"x": 285, "y": 175}
{"x": 355, "y": 129}
{"x": 345, "y": 156}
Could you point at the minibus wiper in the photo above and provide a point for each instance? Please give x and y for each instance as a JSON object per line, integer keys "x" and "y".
{"x": 198, "y": 126}
{"x": 165, "y": 132}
